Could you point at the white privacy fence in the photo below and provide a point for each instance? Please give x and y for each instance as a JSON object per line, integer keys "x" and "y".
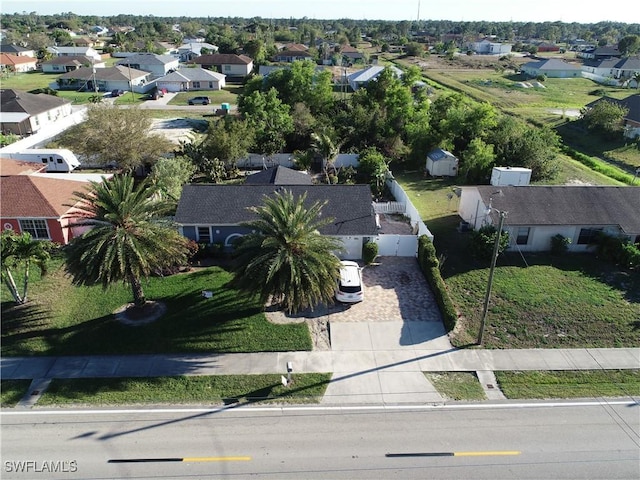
{"x": 410, "y": 210}
{"x": 389, "y": 207}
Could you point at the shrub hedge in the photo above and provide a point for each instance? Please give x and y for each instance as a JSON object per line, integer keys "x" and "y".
{"x": 429, "y": 265}
{"x": 599, "y": 165}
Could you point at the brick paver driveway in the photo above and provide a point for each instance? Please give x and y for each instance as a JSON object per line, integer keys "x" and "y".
{"x": 395, "y": 289}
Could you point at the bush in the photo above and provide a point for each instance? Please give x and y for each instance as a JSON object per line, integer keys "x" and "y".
{"x": 430, "y": 268}
{"x": 483, "y": 242}
{"x": 369, "y": 252}
{"x": 617, "y": 250}
{"x": 559, "y": 244}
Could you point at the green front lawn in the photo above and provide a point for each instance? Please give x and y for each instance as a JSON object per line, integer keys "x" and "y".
{"x": 11, "y": 391}
{"x": 573, "y": 384}
{"x": 61, "y": 319}
{"x": 217, "y": 97}
{"x": 306, "y": 388}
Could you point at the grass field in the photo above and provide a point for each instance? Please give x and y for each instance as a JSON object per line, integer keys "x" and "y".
{"x": 574, "y": 384}
{"x": 213, "y": 390}
{"x": 457, "y": 385}
{"x": 538, "y": 301}
{"x": 61, "y": 319}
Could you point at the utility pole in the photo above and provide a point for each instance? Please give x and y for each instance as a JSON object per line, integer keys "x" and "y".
{"x": 494, "y": 258}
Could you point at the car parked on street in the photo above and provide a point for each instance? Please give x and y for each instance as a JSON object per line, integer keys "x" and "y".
{"x": 199, "y": 101}
{"x": 350, "y": 287}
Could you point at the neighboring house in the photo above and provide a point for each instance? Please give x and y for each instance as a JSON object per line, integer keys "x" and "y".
{"x": 186, "y": 79}
{"x": 99, "y": 30}
{"x": 68, "y": 64}
{"x": 278, "y": 175}
{"x": 17, "y": 50}
{"x": 598, "y": 53}
{"x": 213, "y": 213}
{"x": 75, "y": 52}
{"x": 351, "y": 54}
{"x": 189, "y": 51}
{"x": 290, "y": 56}
{"x": 364, "y": 76}
{"x": 15, "y": 63}
{"x": 23, "y": 113}
{"x": 547, "y": 47}
{"x": 551, "y": 68}
{"x": 233, "y": 66}
{"x": 37, "y": 203}
{"x": 441, "y": 163}
{"x": 620, "y": 69}
{"x": 632, "y": 118}
{"x": 487, "y": 47}
{"x": 103, "y": 79}
{"x": 157, "y": 65}
{"x": 537, "y": 213}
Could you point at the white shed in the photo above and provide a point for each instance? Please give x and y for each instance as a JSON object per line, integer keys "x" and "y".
{"x": 441, "y": 163}
{"x": 515, "y": 176}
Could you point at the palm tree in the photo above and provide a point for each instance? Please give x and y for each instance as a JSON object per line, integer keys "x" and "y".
{"x": 287, "y": 259}
{"x": 323, "y": 145}
{"x": 128, "y": 238}
{"x": 21, "y": 249}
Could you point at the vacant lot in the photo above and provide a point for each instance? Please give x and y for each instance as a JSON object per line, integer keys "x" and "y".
{"x": 61, "y": 319}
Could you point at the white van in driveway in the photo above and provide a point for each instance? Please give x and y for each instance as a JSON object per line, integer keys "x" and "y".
{"x": 350, "y": 287}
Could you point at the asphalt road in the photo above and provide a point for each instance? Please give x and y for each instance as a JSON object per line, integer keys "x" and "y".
{"x": 527, "y": 441}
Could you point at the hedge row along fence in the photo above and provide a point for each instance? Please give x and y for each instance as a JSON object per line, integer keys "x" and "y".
{"x": 431, "y": 269}
{"x": 599, "y": 166}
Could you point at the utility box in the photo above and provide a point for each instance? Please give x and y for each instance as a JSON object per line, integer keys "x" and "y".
{"x": 510, "y": 176}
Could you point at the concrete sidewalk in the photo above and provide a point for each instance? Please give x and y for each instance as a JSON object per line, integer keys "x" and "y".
{"x": 359, "y": 377}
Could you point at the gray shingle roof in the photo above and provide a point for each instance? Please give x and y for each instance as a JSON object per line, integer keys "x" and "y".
{"x": 192, "y": 74}
{"x": 566, "y": 205}
{"x": 147, "y": 59}
{"x": 278, "y": 175}
{"x": 551, "y": 64}
{"x": 117, "y": 72}
{"x": 632, "y": 103}
{"x": 349, "y": 205}
{"x": 33, "y": 104}
{"x": 222, "y": 59}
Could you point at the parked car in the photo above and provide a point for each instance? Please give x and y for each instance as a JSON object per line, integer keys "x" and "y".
{"x": 117, "y": 93}
{"x": 199, "y": 101}
{"x": 350, "y": 287}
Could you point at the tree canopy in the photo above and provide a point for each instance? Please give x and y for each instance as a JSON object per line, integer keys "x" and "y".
{"x": 116, "y": 136}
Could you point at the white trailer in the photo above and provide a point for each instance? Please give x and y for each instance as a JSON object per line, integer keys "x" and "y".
{"x": 510, "y": 176}
{"x": 56, "y": 159}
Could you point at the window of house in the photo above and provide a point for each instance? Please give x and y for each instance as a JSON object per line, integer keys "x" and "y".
{"x": 36, "y": 227}
{"x": 210, "y": 84}
{"x": 587, "y": 235}
{"x": 196, "y": 84}
{"x": 204, "y": 235}
{"x": 522, "y": 236}
{"x": 227, "y": 68}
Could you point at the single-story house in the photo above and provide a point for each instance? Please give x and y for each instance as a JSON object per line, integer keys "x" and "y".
{"x": 537, "y": 213}
{"x": 15, "y": 63}
{"x": 547, "y": 47}
{"x": 552, "y": 68}
{"x": 236, "y": 66}
{"x": 106, "y": 79}
{"x": 351, "y": 54}
{"x": 290, "y": 56}
{"x": 209, "y": 213}
{"x": 23, "y": 113}
{"x": 606, "y": 51}
{"x": 620, "y": 69}
{"x": 487, "y": 47}
{"x": 278, "y": 175}
{"x": 157, "y": 65}
{"x": 186, "y": 79}
{"x": 37, "y": 203}
{"x": 17, "y": 50}
{"x": 75, "y": 52}
{"x": 632, "y": 118}
{"x": 441, "y": 163}
{"x": 68, "y": 64}
{"x": 191, "y": 50}
{"x": 364, "y": 76}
